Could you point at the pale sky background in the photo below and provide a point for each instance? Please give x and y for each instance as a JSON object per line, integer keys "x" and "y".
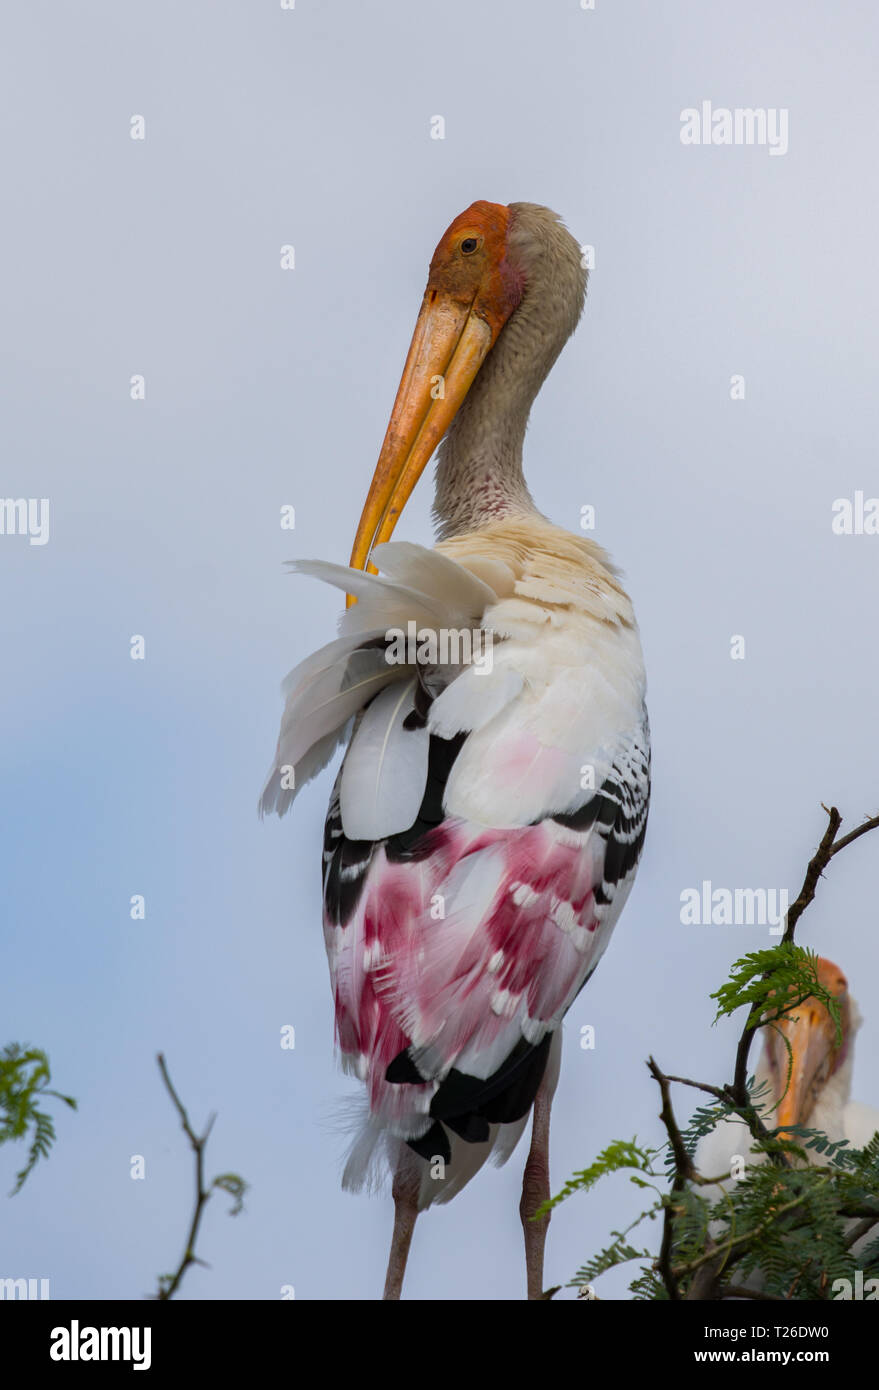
{"x": 265, "y": 388}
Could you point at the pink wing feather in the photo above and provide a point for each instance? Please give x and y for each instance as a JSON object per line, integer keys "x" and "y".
{"x": 461, "y": 944}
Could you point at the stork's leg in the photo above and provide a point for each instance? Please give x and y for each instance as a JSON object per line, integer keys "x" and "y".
{"x": 407, "y": 1181}
{"x": 535, "y": 1183}
{"x": 535, "y": 1190}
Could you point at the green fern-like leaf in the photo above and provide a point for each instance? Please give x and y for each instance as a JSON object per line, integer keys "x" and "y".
{"x": 619, "y": 1155}
{"x": 773, "y": 983}
{"x": 24, "y": 1080}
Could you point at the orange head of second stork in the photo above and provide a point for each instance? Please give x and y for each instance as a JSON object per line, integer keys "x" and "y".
{"x": 808, "y": 1059}
{"x": 803, "y": 1077}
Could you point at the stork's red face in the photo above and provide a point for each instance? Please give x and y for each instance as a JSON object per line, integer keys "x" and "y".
{"x": 471, "y": 291}
{"x": 816, "y": 1048}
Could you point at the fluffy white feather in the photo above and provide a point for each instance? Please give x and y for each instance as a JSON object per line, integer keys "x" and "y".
{"x": 429, "y": 572}
{"x": 385, "y": 768}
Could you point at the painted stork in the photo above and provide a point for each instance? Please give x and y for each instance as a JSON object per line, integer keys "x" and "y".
{"x": 819, "y": 1091}
{"x": 486, "y": 824}
{"x": 817, "y": 1094}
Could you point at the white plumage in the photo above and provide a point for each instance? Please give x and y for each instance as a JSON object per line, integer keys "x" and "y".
{"x": 557, "y": 721}
{"x": 487, "y": 822}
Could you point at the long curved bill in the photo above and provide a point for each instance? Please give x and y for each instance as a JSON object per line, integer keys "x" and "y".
{"x": 448, "y": 347}
{"x": 811, "y": 1035}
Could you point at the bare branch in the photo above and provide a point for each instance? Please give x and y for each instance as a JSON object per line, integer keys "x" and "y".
{"x": 229, "y": 1182}
{"x": 683, "y": 1161}
{"x": 717, "y": 1091}
{"x": 817, "y": 864}
{"x": 870, "y": 824}
{"x": 683, "y": 1171}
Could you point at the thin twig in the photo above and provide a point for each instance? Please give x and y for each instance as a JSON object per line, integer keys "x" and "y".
{"x": 683, "y": 1161}
{"x": 717, "y": 1091}
{"x": 683, "y": 1172}
{"x": 169, "y": 1286}
{"x": 817, "y": 864}
{"x": 872, "y": 823}
{"x": 725, "y": 1093}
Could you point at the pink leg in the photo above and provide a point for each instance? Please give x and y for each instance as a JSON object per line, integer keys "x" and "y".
{"x": 535, "y": 1183}
{"x": 535, "y": 1190}
{"x": 407, "y": 1181}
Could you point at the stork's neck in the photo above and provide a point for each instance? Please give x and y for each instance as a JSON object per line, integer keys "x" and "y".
{"x": 479, "y": 475}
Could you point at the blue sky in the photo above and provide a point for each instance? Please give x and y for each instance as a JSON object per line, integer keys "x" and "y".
{"x": 265, "y": 387}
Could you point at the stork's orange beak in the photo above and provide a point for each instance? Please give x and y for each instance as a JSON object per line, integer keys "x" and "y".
{"x": 812, "y": 1037}
{"x": 448, "y": 347}
{"x": 470, "y": 294}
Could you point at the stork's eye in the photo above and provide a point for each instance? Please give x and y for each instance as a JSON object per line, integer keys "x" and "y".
{"x": 469, "y": 245}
